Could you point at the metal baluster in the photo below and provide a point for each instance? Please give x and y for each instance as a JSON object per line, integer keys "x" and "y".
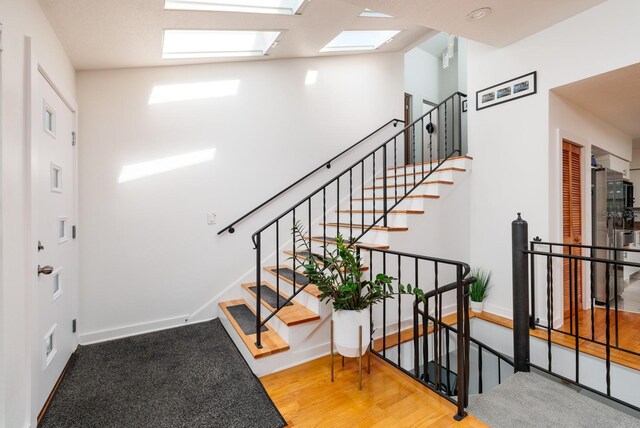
{"x": 436, "y": 329}
{"x": 532, "y": 319}
{"x": 399, "y": 308}
{"x": 608, "y": 332}
{"x": 499, "y": 372}
{"x": 338, "y": 204}
{"x": 479, "y": 369}
{"x": 395, "y": 169}
{"x": 445, "y": 131}
{"x": 593, "y": 293}
{"x": 430, "y": 145}
{"x": 277, "y": 264}
{"x": 416, "y": 333}
{"x": 293, "y": 243}
{"x": 570, "y": 292}
{"x": 362, "y": 194}
{"x": 324, "y": 222}
{"x": 373, "y": 215}
{"x": 549, "y": 306}
{"x": 384, "y": 310}
{"x": 425, "y": 340}
{"x": 447, "y": 360}
{"x": 615, "y": 293}
{"x": 258, "y": 305}
{"x": 384, "y": 186}
{"x": 351, "y": 205}
{"x": 577, "y": 310}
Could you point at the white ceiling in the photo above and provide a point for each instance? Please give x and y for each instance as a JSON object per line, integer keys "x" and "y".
{"x": 510, "y": 21}
{"x": 613, "y": 97}
{"x": 436, "y": 45}
{"x": 99, "y": 34}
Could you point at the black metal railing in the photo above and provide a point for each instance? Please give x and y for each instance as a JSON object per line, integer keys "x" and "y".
{"x": 231, "y": 227}
{"x": 436, "y": 277}
{"x": 359, "y": 202}
{"x": 581, "y": 322}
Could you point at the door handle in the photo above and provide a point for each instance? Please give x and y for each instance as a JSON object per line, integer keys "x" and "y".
{"x": 45, "y": 270}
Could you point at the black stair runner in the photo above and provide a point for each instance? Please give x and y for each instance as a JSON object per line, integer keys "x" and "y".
{"x": 245, "y": 318}
{"x": 269, "y": 296}
{"x": 288, "y": 273}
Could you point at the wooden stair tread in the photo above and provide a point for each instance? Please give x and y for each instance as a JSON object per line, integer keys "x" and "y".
{"x": 359, "y": 244}
{"x": 310, "y": 288}
{"x": 410, "y": 173}
{"x": 272, "y": 343}
{"x": 317, "y": 256}
{"x": 390, "y": 196}
{"x": 290, "y": 315}
{"x": 435, "y": 161}
{"x": 360, "y": 226}
{"x": 381, "y": 211}
{"x": 401, "y": 185}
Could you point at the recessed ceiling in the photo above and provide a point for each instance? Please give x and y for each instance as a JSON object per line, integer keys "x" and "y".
{"x": 613, "y": 97}
{"x": 103, "y": 34}
{"x": 509, "y": 21}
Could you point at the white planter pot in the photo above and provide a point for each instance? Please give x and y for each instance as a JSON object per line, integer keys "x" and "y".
{"x": 477, "y": 306}
{"x": 345, "y": 332}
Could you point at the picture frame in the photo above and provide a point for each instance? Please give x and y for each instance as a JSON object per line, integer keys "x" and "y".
{"x": 518, "y": 87}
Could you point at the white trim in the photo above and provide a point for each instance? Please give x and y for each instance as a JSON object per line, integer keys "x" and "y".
{"x": 134, "y": 329}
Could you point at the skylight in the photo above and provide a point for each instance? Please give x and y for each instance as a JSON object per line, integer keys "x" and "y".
{"x": 214, "y": 44}
{"x": 359, "y": 40}
{"x": 282, "y": 7}
{"x": 368, "y": 13}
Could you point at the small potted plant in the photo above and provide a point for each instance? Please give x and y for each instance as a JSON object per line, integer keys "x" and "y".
{"x": 338, "y": 274}
{"x": 479, "y": 290}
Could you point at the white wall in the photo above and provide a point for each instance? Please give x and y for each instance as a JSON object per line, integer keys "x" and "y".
{"x": 148, "y": 258}
{"x": 511, "y": 145}
{"x": 21, "y": 19}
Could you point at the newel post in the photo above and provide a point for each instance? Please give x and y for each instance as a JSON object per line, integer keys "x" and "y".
{"x": 520, "y": 242}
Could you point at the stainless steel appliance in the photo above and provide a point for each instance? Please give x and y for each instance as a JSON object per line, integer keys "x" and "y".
{"x": 612, "y": 226}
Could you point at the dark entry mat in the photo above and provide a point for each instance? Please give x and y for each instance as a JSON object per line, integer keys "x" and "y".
{"x": 245, "y": 318}
{"x": 288, "y": 273}
{"x": 269, "y": 296}
{"x": 190, "y": 376}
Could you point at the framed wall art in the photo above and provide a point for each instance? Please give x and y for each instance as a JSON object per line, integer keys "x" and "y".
{"x": 510, "y": 90}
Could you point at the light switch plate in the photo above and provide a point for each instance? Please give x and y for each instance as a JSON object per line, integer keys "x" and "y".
{"x": 211, "y": 218}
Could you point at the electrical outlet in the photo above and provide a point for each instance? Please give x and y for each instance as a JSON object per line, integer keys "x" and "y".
{"x": 211, "y": 218}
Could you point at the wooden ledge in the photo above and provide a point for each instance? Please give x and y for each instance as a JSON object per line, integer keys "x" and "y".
{"x": 310, "y": 288}
{"x": 381, "y": 211}
{"x": 421, "y": 173}
{"x": 435, "y": 161}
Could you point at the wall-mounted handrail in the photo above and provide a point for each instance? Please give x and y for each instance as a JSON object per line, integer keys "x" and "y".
{"x": 231, "y": 227}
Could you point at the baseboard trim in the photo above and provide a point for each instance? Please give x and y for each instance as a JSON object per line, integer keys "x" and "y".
{"x": 134, "y": 329}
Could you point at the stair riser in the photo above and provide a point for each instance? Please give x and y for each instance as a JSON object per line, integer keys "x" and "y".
{"x": 424, "y": 189}
{"x": 395, "y": 220}
{"x": 410, "y": 178}
{"x": 406, "y": 204}
{"x": 377, "y": 237}
{"x": 456, "y": 163}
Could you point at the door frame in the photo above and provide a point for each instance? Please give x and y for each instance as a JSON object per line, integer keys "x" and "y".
{"x": 34, "y": 71}
{"x": 555, "y": 212}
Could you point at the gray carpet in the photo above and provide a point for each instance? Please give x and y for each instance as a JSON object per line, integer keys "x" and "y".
{"x": 530, "y": 400}
{"x": 190, "y": 376}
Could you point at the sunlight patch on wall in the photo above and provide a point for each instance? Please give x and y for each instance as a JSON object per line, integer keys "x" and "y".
{"x": 311, "y": 78}
{"x": 158, "y": 166}
{"x": 193, "y": 91}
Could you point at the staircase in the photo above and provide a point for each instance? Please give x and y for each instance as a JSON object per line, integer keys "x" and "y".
{"x": 304, "y": 315}
{"x": 383, "y": 201}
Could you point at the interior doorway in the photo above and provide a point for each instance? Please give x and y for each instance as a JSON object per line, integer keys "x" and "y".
{"x": 571, "y": 225}
{"x": 408, "y": 118}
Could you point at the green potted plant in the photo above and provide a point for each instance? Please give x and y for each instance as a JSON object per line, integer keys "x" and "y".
{"x": 338, "y": 274}
{"x": 479, "y": 290}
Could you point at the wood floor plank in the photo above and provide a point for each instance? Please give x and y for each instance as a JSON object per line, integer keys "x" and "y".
{"x": 306, "y": 397}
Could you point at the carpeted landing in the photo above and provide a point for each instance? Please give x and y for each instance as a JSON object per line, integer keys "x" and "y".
{"x": 190, "y": 376}
{"x": 530, "y": 400}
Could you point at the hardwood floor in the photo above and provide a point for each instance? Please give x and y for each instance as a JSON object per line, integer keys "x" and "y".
{"x": 306, "y": 397}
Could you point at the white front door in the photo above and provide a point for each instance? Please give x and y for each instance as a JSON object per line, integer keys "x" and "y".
{"x": 53, "y": 187}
